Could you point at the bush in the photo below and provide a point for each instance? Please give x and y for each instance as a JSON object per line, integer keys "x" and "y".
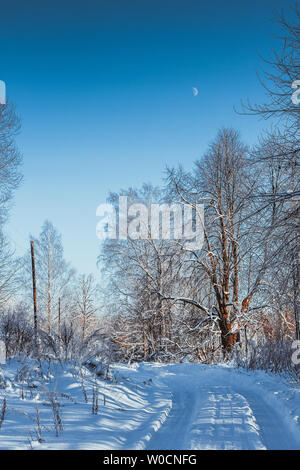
{"x": 273, "y": 355}
{"x": 16, "y": 333}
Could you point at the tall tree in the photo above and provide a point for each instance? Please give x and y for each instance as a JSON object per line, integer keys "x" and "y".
{"x": 222, "y": 181}
{"x": 10, "y": 178}
{"x": 280, "y": 79}
{"x": 10, "y": 158}
{"x": 53, "y": 273}
{"x": 140, "y": 270}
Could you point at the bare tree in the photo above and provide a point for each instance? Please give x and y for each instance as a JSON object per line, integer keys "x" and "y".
{"x": 53, "y": 273}
{"x": 10, "y": 157}
{"x": 223, "y": 182}
{"x": 140, "y": 271}
{"x": 10, "y": 178}
{"x": 279, "y": 73}
{"x": 9, "y": 269}
{"x": 281, "y": 148}
{"x": 85, "y": 307}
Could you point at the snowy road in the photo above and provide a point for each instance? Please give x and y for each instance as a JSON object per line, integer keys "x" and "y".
{"x": 151, "y": 406}
{"x": 220, "y": 416}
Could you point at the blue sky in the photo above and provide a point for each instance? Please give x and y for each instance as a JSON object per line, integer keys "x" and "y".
{"x": 104, "y": 91}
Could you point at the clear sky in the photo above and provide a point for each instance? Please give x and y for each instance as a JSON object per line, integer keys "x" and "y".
{"x": 104, "y": 91}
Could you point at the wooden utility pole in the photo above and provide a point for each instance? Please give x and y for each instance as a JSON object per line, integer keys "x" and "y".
{"x": 34, "y": 295}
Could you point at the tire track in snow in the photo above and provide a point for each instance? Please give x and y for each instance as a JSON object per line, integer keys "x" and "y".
{"x": 220, "y": 417}
{"x": 208, "y": 418}
{"x": 224, "y": 421}
{"x": 172, "y": 433}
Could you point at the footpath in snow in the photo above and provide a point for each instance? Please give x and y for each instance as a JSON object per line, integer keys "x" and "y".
{"x": 147, "y": 406}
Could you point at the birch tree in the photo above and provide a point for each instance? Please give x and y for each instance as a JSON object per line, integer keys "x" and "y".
{"x": 53, "y": 273}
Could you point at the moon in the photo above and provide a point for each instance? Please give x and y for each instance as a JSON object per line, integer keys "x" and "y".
{"x": 195, "y": 91}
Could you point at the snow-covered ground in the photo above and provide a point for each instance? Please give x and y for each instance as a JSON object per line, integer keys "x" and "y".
{"x": 148, "y": 406}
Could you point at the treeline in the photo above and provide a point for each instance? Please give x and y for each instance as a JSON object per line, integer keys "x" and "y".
{"x": 170, "y": 302}
{"x": 68, "y": 306}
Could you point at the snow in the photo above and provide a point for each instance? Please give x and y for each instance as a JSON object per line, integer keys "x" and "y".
{"x": 148, "y": 406}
